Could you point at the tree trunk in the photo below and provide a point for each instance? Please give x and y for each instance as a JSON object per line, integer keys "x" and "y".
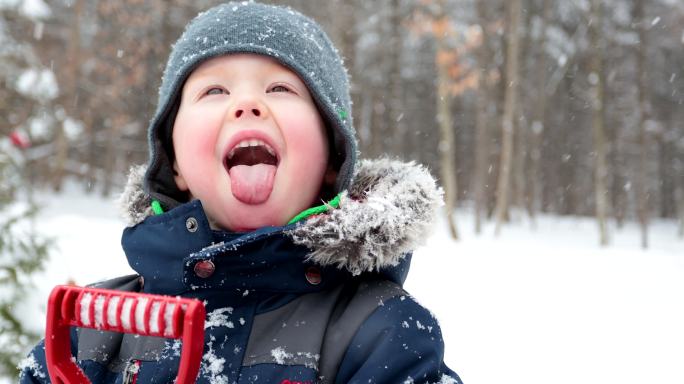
{"x": 378, "y": 128}
{"x": 347, "y": 30}
{"x": 395, "y": 104}
{"x": 71, "y": 99}
{"x": 521, "y": 129}
{"x": 446, "y": 149}
{"x": 481, "y": 123}
{"x": 666, "y": 176}
{"x": 519, "y": 156}
{"x": 617, "y": 169}
{"x": 446, "y": 131}
{"x": 365, "y": 119}
{"x": 678, "y": 171}
{"x": 644, "y": 111}
{"x": 679, "y": 201}
{"x": 481, "y": 156}
{"x": 111, "y": 154}
{"x": 90, "y": 153}
{"x": 507, "y": 125}
{"x": 61, "y": 154}
{"x": 597, "y": 103}
{"x": 535, "y": 177}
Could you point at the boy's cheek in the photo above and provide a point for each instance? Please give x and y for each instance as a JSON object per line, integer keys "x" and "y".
{"x": 306, "y": 133}
{"x": 194, "y": 141}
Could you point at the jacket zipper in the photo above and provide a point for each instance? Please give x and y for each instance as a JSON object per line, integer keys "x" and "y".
{"x": 130, "y": 375}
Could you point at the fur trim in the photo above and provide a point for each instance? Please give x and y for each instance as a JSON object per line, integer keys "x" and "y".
{"x": 134, "y": 204}
{"x": 387, "y": 212}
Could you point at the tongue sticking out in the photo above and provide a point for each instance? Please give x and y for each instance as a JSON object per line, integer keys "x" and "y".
{"x": 252, "y": 184}
{"x": 252, "y": 172}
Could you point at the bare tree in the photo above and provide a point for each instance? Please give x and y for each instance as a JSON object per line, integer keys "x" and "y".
{"x": 507, "y": 124}
{"x": 70, "y": 95}
{"x": 395, "y": 104}
{"x": 539, "y": 117}
{"x": 678, "y": 170}
{"x": 482, "y": 119}
{"x": 522, "y": 136}
{"x": 679, "y": 200}
{"x": 444, "y": 119}
{"x": 644, "y": 111}
{"x": 598, "y": 105}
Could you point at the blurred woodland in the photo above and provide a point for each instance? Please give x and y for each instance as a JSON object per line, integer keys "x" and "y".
{"x": 519, "y": 107}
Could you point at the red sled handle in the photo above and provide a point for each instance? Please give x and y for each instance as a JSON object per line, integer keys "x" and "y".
{"x": 126, "y": 312}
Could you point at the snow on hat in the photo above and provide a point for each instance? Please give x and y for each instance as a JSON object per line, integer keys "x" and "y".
{"x": 289, "y": 37}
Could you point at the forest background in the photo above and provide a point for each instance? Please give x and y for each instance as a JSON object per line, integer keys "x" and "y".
{"x": 519, "y": 107}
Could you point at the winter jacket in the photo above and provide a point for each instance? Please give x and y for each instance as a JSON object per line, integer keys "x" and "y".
{"x": 318, "y": 301}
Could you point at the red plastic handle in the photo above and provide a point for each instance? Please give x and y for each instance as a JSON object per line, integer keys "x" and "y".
{"x": 127, "y": 312}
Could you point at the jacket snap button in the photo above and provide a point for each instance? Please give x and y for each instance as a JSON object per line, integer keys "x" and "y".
{"x": 313, "y": 275}
{"x": 191, "y": 224}
{"x": 204, "y": 268}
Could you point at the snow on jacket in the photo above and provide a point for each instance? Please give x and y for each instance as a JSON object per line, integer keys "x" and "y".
{"x": 318, "y": 301}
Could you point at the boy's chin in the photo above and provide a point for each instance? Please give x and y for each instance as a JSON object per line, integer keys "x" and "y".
{"x": 236, "y": 216}
{"x": 250, "y": 220}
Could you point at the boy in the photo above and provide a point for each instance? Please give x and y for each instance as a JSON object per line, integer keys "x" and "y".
{"x": 252, "y": 129}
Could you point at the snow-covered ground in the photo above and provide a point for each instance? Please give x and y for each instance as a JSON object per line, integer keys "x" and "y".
{"x": 544, "y": 306}
{"x": 551, "y": 307}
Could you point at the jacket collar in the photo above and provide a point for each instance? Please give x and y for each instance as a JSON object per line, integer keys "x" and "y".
{"x": 382, "y": 217}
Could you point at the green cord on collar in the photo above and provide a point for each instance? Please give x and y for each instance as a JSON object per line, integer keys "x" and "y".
{"x": 334, "y": 203}
{"x": 157, "y": 208}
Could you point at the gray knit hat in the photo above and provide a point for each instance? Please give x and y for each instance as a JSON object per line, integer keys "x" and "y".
{"x": 289, "y": 37}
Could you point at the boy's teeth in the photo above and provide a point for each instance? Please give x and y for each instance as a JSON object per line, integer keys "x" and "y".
{"x": 251, "y": 143}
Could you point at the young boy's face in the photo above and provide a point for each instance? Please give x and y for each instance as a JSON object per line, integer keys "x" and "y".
{"x": 249, "y": 142}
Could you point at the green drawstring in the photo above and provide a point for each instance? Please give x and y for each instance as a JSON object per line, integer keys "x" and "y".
{"x": 334, "y": 203}
{"x": 157, "y": 208}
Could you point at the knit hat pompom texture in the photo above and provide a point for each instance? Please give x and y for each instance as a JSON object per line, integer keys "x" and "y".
{"x": 289, "y": 37}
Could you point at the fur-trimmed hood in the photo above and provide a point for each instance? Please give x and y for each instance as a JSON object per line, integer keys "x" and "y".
{"x": 387, "y": 212}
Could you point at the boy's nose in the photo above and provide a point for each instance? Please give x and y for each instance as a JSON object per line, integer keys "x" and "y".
{"x": 255, "y": 111}
{"x": 248, "y": 109}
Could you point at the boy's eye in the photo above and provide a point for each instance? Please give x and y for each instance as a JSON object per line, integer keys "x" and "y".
{"x": 216, "y": 91}
{"x": 279, "y": 88}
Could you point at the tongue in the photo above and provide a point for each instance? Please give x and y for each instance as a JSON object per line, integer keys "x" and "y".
{"x": 252, "y": 184}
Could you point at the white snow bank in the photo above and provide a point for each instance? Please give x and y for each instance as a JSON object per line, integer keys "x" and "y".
{"x": 551, "y": 306}
{"x": 87, "y": 249}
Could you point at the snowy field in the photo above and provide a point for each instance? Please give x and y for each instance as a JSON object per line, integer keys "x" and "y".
{"x": 544, "y": 306}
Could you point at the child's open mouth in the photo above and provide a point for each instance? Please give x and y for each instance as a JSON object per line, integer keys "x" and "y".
{"x": 252, "y": 166}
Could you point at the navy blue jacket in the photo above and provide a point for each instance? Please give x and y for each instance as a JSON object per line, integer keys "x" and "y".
{"x": 277, "y": 312}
